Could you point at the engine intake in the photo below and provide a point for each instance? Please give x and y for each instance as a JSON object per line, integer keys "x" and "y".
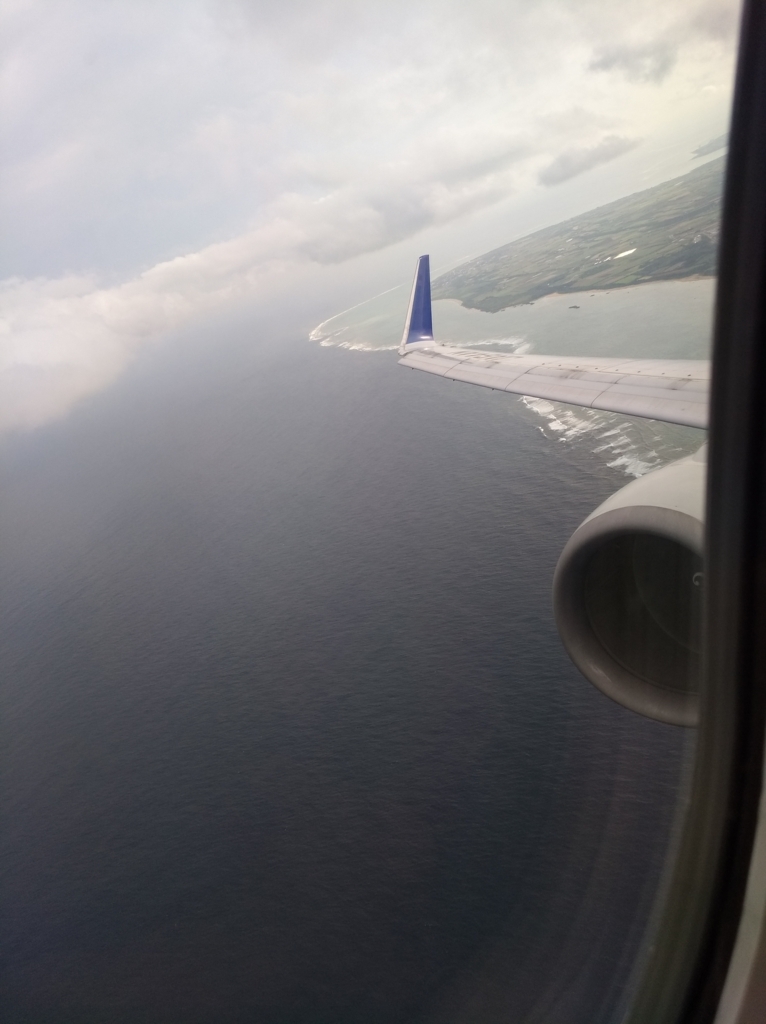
{"x": 627, "y": 593}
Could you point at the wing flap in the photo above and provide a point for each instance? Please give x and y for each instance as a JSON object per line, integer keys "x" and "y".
{"x": 573, "y": 391}
{"x": 487, "y": 378}
{"x": 686, "y": 414}
{"x": 672, "y": 390}
{"x": 430, "y": 360}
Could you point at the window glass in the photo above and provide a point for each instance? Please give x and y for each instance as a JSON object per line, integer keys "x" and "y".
{"x": 291, "y": 726}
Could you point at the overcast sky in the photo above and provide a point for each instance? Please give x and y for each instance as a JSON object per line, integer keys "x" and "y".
{"x": 164, "y": 160}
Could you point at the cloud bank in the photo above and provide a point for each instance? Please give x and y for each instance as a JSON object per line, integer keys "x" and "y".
{"x": 157, "y": 168}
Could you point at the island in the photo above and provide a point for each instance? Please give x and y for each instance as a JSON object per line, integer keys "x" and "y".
{"x": 664, "y": 233}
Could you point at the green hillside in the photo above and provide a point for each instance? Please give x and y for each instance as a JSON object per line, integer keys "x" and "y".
{"x": 672, "y": 227}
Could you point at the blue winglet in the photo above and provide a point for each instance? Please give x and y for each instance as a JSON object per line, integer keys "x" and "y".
{"x": 418, "y": 327}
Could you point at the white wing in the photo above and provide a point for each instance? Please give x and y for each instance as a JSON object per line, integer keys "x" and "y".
{"x": 673, "y": 390}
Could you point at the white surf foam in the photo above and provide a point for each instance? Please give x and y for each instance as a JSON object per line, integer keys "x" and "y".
{"x": 623, "y": 443}
{"x": 320, "y": 332}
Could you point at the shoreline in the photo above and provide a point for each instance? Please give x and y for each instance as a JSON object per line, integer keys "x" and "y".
{"x": 580, "y": 291}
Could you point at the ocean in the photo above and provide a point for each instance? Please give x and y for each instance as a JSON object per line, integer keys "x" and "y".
{"x": 288, "y": 735}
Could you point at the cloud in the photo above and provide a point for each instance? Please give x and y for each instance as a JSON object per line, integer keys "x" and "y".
{"x": 66, "y": 338}
{"x": 62, "y": 339}
{"x": 157, "y": 168}
{"x": 648, "y": 62}
{"x": 646, "y": 47}
{"x": 576, "y": 161}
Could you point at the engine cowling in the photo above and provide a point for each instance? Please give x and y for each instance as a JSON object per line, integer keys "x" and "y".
{"x": 627, "y": 593}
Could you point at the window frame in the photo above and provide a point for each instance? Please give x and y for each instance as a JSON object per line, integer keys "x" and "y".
{"x": 707, "y": 960}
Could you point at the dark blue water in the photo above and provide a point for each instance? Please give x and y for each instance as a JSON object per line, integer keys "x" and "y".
{"x": 287, "y": 734}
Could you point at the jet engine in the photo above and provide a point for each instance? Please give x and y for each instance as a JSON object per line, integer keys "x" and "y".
{"x": 627, "y": 593}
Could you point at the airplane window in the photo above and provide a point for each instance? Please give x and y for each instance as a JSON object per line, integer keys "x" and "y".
{"x": 335, "y": 692}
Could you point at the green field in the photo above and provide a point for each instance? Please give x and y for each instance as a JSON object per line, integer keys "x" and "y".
{"x": 672, "y": 227}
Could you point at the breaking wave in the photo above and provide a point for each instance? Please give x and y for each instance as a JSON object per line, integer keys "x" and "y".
{"x": 634, "y": 446}
{"x": 630, "y": 446}
{"x": 373, "y": 331}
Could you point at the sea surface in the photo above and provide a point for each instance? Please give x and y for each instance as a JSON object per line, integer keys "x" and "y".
{"x": 657, "y": 320}
{"x": 287, "y": 735}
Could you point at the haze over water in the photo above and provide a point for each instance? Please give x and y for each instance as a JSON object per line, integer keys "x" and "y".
{"x": 288, "y": 734}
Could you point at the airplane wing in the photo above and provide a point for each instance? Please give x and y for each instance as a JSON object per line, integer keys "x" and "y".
{"x": 672, "y": 390}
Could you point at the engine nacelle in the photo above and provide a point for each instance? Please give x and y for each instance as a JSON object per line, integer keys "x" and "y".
{"x": 627, "y": 593}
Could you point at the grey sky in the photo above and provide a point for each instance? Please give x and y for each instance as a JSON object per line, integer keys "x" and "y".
{"x": 576, "y": 161}
{"x": 164, "y": 159}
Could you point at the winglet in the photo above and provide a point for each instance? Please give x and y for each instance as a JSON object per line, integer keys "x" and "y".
{"x": 418, "y": 327}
